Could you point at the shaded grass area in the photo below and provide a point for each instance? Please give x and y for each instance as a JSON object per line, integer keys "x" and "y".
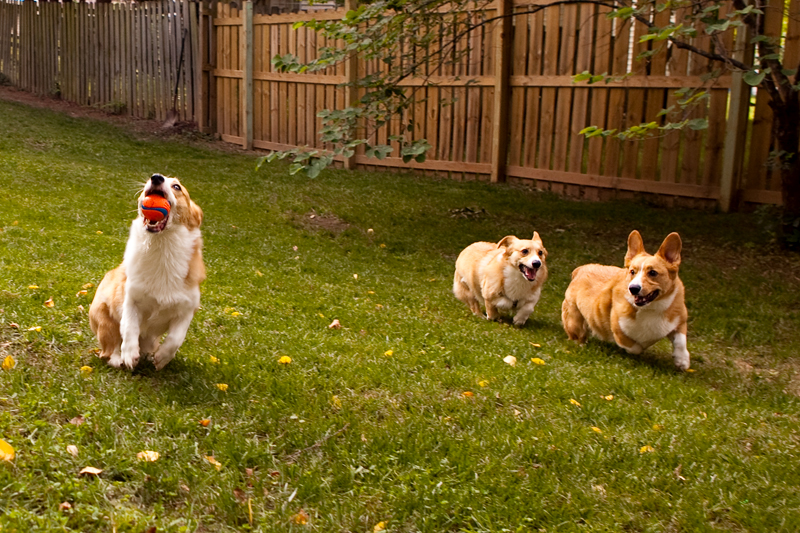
{"x": 370, "y": 423}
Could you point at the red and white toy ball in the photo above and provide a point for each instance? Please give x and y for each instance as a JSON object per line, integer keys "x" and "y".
{"x": 155, "y": 208}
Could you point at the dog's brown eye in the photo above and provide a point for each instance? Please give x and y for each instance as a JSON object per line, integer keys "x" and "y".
{"x": 525, "y": 251}
{"x": 633, "y": 272}
{"x": 652, "y": 273}
{"x": 541, "y": 253}
{"x": 176, "y": 187}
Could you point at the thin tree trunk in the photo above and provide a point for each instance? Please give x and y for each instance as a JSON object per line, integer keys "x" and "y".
{"x": 787, "y": 131}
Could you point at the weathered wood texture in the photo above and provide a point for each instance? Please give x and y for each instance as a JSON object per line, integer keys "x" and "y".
{"x": 127, "y": 55}
{"x": 124, "y": 57}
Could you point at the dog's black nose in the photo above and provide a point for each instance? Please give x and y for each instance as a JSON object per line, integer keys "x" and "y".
{"x": 536, "y": 263}
{"x": 156, "y": 179}
{"x": 634, "y": 289}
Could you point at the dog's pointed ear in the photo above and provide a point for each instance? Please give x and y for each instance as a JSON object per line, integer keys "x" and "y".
{"x": 635, "y": 247}
{"x": 506, "y": 241}
{"x": 195, "y": 217}
{"x": 670, "y": 249}
{"x": 536, "y": 237}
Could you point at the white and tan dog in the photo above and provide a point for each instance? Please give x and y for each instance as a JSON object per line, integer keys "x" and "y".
{"x": 635, "y": 306}
{"x": 157, "y": 287}
{"x": 504, "y": 276}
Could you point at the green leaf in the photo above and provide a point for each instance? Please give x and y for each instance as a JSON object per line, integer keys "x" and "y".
{"x": 753, "y": 78}
{"x": 698, "y": 124}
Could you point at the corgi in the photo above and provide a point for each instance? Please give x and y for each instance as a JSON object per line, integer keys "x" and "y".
{"x": 506, "y": 276}
{"x": 635, "y": 306}
{"x": 156, "y": 289}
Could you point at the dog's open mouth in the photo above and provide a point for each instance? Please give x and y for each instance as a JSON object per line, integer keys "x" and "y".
{"x": 642, "y": 300}
{"x": 528, "y": 272}
{"x": 156, "y": 226}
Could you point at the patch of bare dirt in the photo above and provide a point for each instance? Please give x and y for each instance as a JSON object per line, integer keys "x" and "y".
{"x": 179, "y": 130}
{"x": 327, "y": 222}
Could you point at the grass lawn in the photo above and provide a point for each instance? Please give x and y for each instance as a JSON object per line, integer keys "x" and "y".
{"x": 406, "y": 418}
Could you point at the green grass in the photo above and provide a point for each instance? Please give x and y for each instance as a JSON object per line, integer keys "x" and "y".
{"x": 345, "y": 432}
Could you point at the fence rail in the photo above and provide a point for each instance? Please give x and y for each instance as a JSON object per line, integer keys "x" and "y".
{"x": 121, "y": 56}
{"x": 515, "y": 112}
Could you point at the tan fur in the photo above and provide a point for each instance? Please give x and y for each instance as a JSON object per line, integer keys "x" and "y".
{"x": 489, "y": 274}
{"x": 159, "y": 303}
{"x": 599, "y": 300}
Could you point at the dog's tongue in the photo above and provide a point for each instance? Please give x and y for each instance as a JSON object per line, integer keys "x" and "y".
{"x": 529, "y": 273}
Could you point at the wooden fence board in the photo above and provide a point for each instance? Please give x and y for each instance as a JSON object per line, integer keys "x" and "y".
{"x": 126, "y": 53}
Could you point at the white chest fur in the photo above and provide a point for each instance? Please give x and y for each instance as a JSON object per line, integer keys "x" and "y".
{"x": 650, "y": 324}
{"x": 157, "y": 265}
{"x": 517, "y": 289}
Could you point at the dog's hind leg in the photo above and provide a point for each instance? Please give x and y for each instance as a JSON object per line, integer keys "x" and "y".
{"x": 465, "y": 294}
{"x": 107, "y": 331}
{"x": 177, "y": 333}
{"x": 573, "y": 321}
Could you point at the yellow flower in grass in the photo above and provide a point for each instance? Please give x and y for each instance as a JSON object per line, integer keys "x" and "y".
{"x": 213, "y": 461}
{"x": 148, "y": 456}
{"x": 596, "y": 429}
{"x": 388, "y": 353}
{"x": 6, "y": 451}
{"x": 646, "y": 449}
{"x": 222, "y": 386}
{"x": 9, "y": 363}
{"x": 285, "y": 360}
{"x": 86, "y": 370}
{"x": 483, "y": 383}
{"x": 380, "y": 526}
{"x": 213, "y": 359}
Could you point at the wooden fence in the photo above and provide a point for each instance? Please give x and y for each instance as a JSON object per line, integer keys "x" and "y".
{"x": 515, "y": 112}
{"x": 124, "y": 57}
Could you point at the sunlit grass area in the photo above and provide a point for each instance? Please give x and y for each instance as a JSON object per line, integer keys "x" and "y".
{"x": 405, "y": 419}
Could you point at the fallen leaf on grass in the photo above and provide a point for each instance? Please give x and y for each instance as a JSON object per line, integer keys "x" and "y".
{"x": 658, "y": 427}
{"x": 300, "y": 518}
{"x": 9, "y": 363}
{"x": 535, "y": 345}
{"x": 91, "y": 471}
{"x": 77, "y": 421}
{"x": 596, "y": 429}
{"x": 217, "y": 464}
{"x": 148, "y": 456}
{"x": 99, "y": 232}
{"x": 81, "y": 293}
{"x": 285, "y": 360}
{"x": 574, "y": 402}
{"x": 380, "y": 526}
{"x": 87, "y": 286}
{"x": 537, "y": 361}
{"x": 510, "y": 360}
{"x": 86, "y": 370}
{"x": 646, "y": 449}
{"x": 6, "y": 451}
{"x": 222, "y": 386}
{"x": 49, "y": 303}
{"x": 388, "y": 353}
{"x": 64, "y": 506}
{"x": 467, "y": 394}
{"x": 213, "y": 359}
{"x": 13, "y": 325}
{"x": 73, "y": 450}
{"x": 335, "y": 324}
{"x": 355, "y": 276}
{"x": 33, "y": 287}
{"x": 383, "y": 245}
{"x": 690, "y": 369}
{"x": 35, "y": 328}
{"x": 204, "y": 422}
{"x": 483, "y": 383}
{"x": 336, "y": 402}
{"x": 609, "y": 397}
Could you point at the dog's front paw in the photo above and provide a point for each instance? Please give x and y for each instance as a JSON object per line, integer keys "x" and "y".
{"x": 636, "y": 349}
{"x": 129, "y": 359}
{"x": 681, "y": 359}
{"x": 162, "y": 358}
{"x": 520, "y": 321}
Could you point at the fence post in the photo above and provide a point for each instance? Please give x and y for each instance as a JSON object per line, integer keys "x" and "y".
{"x": 503, "y": 42}
{"x": 351, "y": 76}
{"x": 247, "y": 84}
{"x": 736, "y": 126}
